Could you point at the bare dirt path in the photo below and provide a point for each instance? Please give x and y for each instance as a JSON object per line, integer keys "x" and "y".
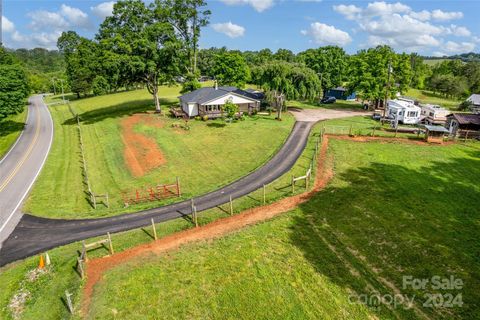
{"x": 315, "y": 115}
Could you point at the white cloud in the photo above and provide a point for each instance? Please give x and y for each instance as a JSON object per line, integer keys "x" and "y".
{"x": 45, "y": 19}
{"x": 349, "y": 11}
{"x": 103, "y": 9}
{"x": 383, "y": 8}
{"x": 455, "y": 47}
{"x": 7, "y": 25}
{"x": 458, "y": 31}
{"x": 440, "y": 15}
{"x": 423, "y": 15}
{"x": 397, "y": 25}
{"x": 230, "y": 29}
{"x": 258, "y": 5}
{"x": 75, "y": 16}
{"x": 324, "y": 34}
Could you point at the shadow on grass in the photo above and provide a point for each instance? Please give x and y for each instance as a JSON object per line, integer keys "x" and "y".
{"x": 9, "y": 126}
{"x": 390, "y": 221}
{"x": 216, "y": 125}
{"x": 118, "y": 111}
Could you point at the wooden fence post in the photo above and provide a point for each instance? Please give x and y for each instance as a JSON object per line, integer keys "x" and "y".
{"x": 231, "y": 206}
{"x": 178, "y": 187}
{"x": 84, "y": 251}
{"x": 351, "y": 130}
{"x": 195, "y": 216}
{"x": 466, "y": 136}
{"x": 264, "y": 195}
{"x": 69, "y": 301}
{"x": 110, "y": 243}
{"x": 80, "y": 266}
{"x": 154, "y": 230}
{"x": 108, "y": 203}
{"x": 373, "y": 131}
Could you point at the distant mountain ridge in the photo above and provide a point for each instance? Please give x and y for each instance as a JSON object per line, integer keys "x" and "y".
{"x": 466, "y": 57}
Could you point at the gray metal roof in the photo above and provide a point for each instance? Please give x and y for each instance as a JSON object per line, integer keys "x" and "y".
{"x": 206, "y": 94}
{"x": 475, "y": 99}
{"x": 436, "y": 128}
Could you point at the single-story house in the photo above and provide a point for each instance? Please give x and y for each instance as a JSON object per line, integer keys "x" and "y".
{"x": 475, "y": 100}
{"x": 461, "y": 124}
{"x": 340, "y": 93}
{"x": 209, "y": 101}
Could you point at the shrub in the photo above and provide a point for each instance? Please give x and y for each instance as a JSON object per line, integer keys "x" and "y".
{"x": 205, "y": 118}
{"x": 198, "y": 118}
{"x": 100, "y": 86}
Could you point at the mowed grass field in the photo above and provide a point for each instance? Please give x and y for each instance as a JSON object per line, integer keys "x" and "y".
{"x": 10, "y": 128}
{"x": 392, "y": 210}
{"x": 425, "y": 96}
{"x": 207, "y": 156}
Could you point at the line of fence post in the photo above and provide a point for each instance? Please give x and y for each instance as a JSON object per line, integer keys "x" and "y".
{"x": 68, "y": 296}
{"x": 231, "y": 206}
{"x": 154, "y": 230}
{"x": 264, "y": 195}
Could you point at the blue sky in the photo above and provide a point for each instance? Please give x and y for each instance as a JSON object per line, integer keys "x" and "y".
{"x": 427, "y": 27}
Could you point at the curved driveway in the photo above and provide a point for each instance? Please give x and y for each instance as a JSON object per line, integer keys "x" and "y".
{"x": 35, "y": 234}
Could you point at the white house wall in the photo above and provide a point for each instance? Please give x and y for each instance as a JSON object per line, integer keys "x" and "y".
{"x": 235, "y": 99}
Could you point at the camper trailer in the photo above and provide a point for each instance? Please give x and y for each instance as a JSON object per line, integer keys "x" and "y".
{"x": 403, "y": 111}
{"x": 434, "y": 114}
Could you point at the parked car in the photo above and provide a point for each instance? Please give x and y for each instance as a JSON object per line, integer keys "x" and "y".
{"x": 376, "y": 116}
{"x": 327, "y": 100}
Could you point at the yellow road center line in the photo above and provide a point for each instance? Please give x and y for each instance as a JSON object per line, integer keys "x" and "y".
{"x": 25, "y": 157}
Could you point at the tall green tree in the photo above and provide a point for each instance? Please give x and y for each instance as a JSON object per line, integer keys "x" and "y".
{"x": 230, "y": 68}
{"x": 145, "y": 43}
{"x": 81, "y": 56}
{"x": 14, "y": 87}
{"x": 295, "y": 81}
{"x": 379, "y": 73}
{"x": 330, "y": 63}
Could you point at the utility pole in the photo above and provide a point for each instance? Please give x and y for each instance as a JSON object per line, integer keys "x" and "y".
{"x": 63, "y": 94}
{"x": 387, "y": 88}
{"x": 54, "y": 90}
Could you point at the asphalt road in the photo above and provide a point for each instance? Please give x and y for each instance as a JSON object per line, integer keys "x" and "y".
{"x": 21, "y": 165}
{"x": 34, "y": 235}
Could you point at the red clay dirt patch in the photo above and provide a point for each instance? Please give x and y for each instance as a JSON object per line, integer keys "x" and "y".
{"x": 141, "y": 154}
{"x": 97, "y": 267}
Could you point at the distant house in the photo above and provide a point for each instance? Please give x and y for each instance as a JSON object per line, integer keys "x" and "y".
{"x": 434, "y": 114}
{"x": 403, "y": 111}
{"x": 340, "y": 93}
{"x": 209, "y": 101}
{"x": 475, "y": 100}
{"x": 461, "y": 124}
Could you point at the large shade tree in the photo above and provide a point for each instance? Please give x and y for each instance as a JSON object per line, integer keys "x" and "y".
{"x": 230, "y": 68}
{"x": 295, "y": 81}
{"x": 14, "y": 87}
{"x": 144, "y": 42}
{"x": 379, "y": 73}
{"x": 330, "y": 63}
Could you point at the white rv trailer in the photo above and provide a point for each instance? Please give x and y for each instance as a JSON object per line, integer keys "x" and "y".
{"x": 403, "y": 111}
{"x": 434, "y": 114}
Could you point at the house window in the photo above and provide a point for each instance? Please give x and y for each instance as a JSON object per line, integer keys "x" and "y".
{"x": 412, "y": 114}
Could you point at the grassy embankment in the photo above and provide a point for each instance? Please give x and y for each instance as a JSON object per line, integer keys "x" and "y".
{"x": 207, "y": 156}
{"x": 425, "y": 96}
{"x": 392, "y": 210}
{"x": 10, "y": 129}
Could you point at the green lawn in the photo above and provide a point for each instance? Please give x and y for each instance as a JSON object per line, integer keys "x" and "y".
{"x": 392, "y": 210}
{"x": 207, "y": 156}
{"x": 425, "y": 96}
{"x": 10, "y": 129}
